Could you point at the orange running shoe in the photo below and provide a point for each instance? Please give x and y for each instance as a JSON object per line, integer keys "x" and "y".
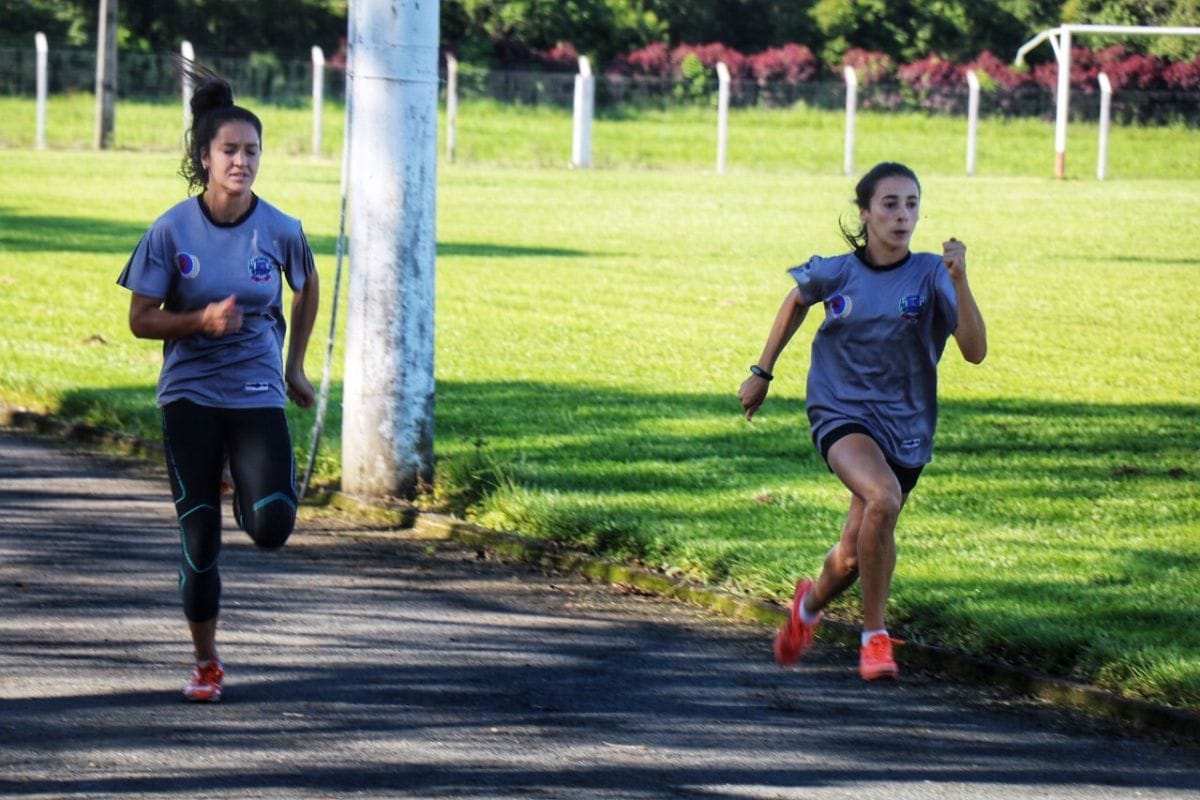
{"x": 795, "y": 636}
{"x": 875, "y": 660}
{"x": 205, "y": 686}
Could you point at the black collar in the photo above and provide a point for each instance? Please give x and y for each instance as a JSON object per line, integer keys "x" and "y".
{"x": 207, "y": 213}
{"x": 861, "y": 254}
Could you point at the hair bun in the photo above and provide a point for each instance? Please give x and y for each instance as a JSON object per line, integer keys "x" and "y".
{"x": 211, "y": 93}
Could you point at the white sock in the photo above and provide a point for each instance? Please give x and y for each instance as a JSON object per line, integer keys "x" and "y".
{"x": 866, "y": 635}
{"x": 806, "y": 616}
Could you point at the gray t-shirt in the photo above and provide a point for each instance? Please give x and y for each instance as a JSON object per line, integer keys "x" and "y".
{"x": 874, "y": 358}
{"x": 189, "y": 261}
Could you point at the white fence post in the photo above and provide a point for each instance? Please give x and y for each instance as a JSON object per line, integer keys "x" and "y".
{"x": 39, "y": 43}
{"x": 972, "y": 118}
{"x": 1105, "y": 115}
{"x": 451, "y": 107}
{"x": 722, "y": 116}
{"x": 318, "y": 98}
{"x": 851, "y": 114}
{"x": 189, "y": 55}
{"x": 585, "y": 100}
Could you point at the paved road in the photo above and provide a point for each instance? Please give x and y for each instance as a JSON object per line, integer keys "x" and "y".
{"x": 362, "y": 665}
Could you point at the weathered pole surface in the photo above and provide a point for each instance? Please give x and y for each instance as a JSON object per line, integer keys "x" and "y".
{"x": 106, "y": 73}
{"x": 387, "y": 415}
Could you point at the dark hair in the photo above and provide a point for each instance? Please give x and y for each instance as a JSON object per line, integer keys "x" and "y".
{"x": 212, "y": 106}
{"x": 865, "y": 190}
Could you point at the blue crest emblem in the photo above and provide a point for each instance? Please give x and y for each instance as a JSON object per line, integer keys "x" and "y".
{"x": 189, "y": 265}
{"x": 912, "y": 307}
{"x": 261, "y": 268}
{"x": 839, "y": 306}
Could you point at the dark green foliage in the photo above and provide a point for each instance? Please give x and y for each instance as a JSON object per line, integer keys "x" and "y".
{"x": 515, "y": 31}
{"x": 69, "y": 23}
{"x": 519, "y": 32}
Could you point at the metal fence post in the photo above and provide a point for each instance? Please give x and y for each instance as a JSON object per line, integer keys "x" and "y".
{"x": 972, "y": 118}
{"x": 318, "y": 98}
{"x": 39, "y": 43}
{"x": 585, "y": 100}
{"x": 106, "y": 74}
{"x": 1105, "y": 118}
{"x": 851, "y": 114}
{"x": 187, "y": 89}
{"x": 451, "y": 106}
{"x": 722, "y": 115}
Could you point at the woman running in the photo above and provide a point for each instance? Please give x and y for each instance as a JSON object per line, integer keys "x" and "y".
{"x": 207, "y": 280}
{"x": 872, "y": 391}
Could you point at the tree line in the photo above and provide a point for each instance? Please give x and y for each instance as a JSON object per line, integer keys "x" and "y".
{"x": 517, "y": 33}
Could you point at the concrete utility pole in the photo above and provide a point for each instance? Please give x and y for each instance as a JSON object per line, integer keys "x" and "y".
{"x": 387, "y": 414}
{"x": 106, "y": 73}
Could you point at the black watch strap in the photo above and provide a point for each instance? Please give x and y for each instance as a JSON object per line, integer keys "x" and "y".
{"x": 762, "y": 373}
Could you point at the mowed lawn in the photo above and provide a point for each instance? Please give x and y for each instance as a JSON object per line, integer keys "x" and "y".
{"x": 593, "y": 327}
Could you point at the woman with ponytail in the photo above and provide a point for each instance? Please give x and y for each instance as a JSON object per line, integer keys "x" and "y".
{"x": 207, "y": 279}
{"x": 872, "y": 391}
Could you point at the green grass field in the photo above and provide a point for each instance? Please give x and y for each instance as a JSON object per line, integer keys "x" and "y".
{"x": 593, "y": 327}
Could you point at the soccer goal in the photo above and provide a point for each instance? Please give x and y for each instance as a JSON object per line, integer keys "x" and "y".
{"x": 1060, "y": 40}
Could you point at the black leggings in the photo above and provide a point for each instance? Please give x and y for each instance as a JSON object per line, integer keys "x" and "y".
{"x": 197, "y": 439}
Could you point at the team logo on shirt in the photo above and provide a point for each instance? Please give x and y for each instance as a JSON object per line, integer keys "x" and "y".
{"x": 839, "y": 306}
{"x": 189, "y": 265}
{"x": 912, "y": 307}
{"x": 261, "y": 268}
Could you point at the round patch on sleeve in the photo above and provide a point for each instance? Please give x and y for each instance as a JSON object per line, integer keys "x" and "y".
{"x": 189, "y": 265}
{"x": 840, "y": 306}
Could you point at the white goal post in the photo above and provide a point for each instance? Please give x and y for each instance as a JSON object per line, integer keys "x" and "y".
{"x": 1060, "y": 40}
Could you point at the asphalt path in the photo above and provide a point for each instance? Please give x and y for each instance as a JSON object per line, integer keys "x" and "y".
{"x": 364, "y": 664}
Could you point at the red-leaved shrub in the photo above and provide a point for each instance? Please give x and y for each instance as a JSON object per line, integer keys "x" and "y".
{"x": 563, "y": 57}
{"x": 792, "y": 63}
{"x": 999, "y": 73}
{"x": 869, "y": 66}
{"x": 653, "y": 60}
{"x": 709, "y": 55}
{"x": 1183, "y": 75}
{"x": 932, "y": 72}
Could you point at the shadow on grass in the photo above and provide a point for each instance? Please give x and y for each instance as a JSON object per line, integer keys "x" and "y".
{"x": 26, "y": 233}
{"x": 588, "y": 438}
{"x": 325, "y": 246}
